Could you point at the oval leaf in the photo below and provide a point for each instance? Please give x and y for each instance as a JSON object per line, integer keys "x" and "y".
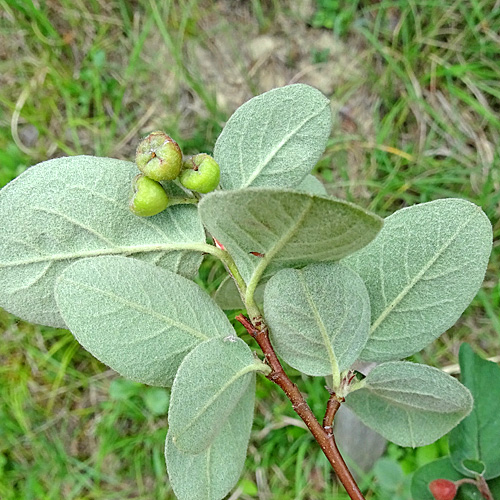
{"x": 476, "y": 437}
{"x": 422, "y": 271}
{"x": 66, "y": 209}
{"x": 319, "y": 317}
{"x": 311, "y": 185}
{"x": 410, "y": 404}
{"x": 207, "y": 388}
{"x": 127, "y": 314}
{"x": 211, "y": 474}
{"x": 284, "y": 228}
{"x": 274, "y": 139}
{"x": 228, "y": 297}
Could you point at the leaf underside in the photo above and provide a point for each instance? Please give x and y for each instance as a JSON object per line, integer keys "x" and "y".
{"x": 274, "y": 139}
{"x": 422, "y": 270}
{"x": 285, "y": 228}
{"x": 67, "y": 209}
{"x": 127, "y": 314}
{"x": 223, "y": 370}
{"x": 319, "y": 317}
{"x": 410, "y": 404}
{"x": 211, "y": 420}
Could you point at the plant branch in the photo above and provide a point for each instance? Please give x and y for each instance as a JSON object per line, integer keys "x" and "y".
{"x": 331, "y": 409}
{"x": 258, "y": 330}
{"x": 182, "y": 201}
{"x": 230, "y": 265}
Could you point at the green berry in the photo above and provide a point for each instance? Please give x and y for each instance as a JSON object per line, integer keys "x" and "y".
{"x": 158, "y": 156}
{"x": 200, "y": 173}
{"x": 148, "y": 197}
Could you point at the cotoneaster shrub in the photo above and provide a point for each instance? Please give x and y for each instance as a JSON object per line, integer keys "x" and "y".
{"x": 324, "y": 283}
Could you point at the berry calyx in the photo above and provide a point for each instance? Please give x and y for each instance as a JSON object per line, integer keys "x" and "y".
{"x": 200, "y": 173}
{"x": 443, "y": 489}
{"x": 159, "y": 157}
{"x": 148, "y": 197}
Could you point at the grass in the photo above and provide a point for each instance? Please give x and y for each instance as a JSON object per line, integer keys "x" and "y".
{"x": 419, "y": 120}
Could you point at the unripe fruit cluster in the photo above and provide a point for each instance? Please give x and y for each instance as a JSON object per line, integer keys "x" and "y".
{"x": 159, "y": 158}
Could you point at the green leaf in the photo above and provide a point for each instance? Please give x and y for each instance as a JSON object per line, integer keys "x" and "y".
{"x": 274, "y": 139}
{"x": 410, "y": 404}
{"x": 66, "y": 209}
{"x": 476, "y": 437}
{"x": 210, "y": 419}
{"x": 228, "y": 297}
{"x": 122, "y": 389}
{"x": 156, "y": 400}
{"x": 211, "y": 474}
{"x": 319, "y": 317}
{"x": 287, "y": 228}
{"x": 210, "y": 382}
{"x": 138, "y": 319}
{"x": 440, "y": 469}
{"x": 422, "y": 271}
{"x": 388, "y": 474}
{"x": 311, "y": 185}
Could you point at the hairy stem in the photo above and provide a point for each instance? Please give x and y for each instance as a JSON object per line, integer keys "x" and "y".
{"x": 258, "y": 330}
{"x": 230, "y": 265}
{"x": 182, "y": 201}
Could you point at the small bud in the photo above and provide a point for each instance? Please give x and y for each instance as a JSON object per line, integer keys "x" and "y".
{"x": 200, "y": 173}
{"x": 158, "y": 156}
{"x": 443, "y": 489}
{"x": 148, "y": 197}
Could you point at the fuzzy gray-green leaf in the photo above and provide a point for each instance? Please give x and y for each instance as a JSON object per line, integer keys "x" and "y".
{"x": 274, "y": 139}
{"x": 228, "y": 297}
{"x": 410, "y": 404}
{"x": 66, "y": 209}
{"x": 312, "y": 185}
{"x": 319, "y": 317}
{"x": 212, "y": 473}
{"x": 137, "y": 318}
{"x": 210, "y": 382}
{"x": 422, "y": 271}
{"x": 286, "y": 228}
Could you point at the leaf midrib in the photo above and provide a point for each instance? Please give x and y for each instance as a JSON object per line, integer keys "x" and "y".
{"x": 324, "y": 334}
{"x": 388, "y": 309}
{"x": 281, "y": 144}
{"x": 269, "y": 255}
{"x": 247, "y": 369}
{"x": 139, "y": 307}
{"x": 121, "y": 250}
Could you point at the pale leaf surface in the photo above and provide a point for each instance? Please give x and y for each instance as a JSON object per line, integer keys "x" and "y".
{"x": 210, "y": 382}
{"x": 422, "y": 271}
{"x": 228, "y": 297}
{"x": 287, "y": 228}
{"x": 274, "y": 139}
{"x": 312, "y": 185}
{"x": 212, "y": 473}
{"x": 319, "y": 317}
{"x": 137, "y": 318}
{"x": 410, "y": 404}
{"x": 66, "y": 209}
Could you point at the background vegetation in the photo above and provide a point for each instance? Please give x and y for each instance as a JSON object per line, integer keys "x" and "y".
{"x": 415, "y": 87}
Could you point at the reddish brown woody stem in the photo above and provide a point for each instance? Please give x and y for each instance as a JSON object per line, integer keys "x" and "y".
{"x": 331, "y": 409}
{"x": 325, "y": 439}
